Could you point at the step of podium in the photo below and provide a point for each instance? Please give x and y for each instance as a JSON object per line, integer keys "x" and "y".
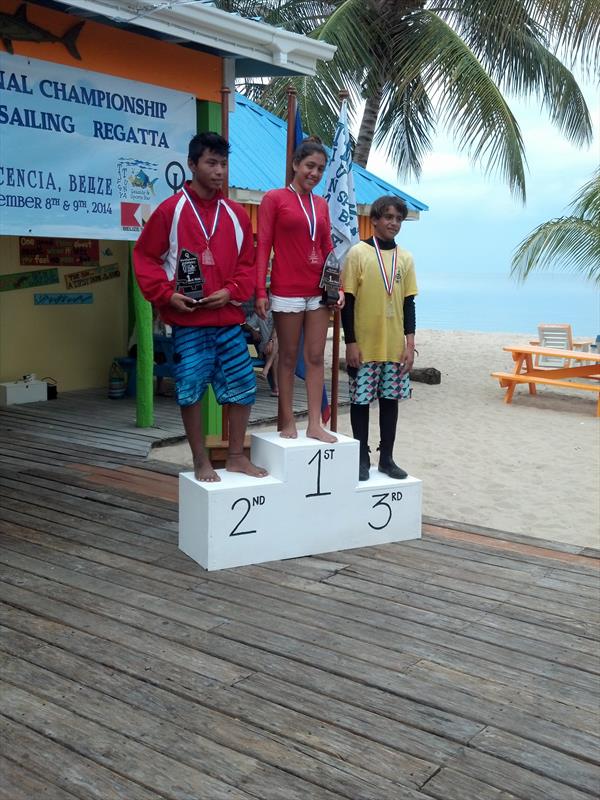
{"x": 311, "y": 502}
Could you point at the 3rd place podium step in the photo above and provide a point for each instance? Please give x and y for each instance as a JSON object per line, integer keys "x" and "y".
{"x": 311, "y": 502}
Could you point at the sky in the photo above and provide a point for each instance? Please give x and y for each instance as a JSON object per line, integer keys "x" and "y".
{"x": 474, "y": 223}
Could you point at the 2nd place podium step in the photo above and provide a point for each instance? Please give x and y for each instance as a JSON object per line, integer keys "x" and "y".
{"x": 311, "y": 502}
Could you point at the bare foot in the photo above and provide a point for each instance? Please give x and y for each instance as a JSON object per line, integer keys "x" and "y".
{"x": 238, "y": 462}
{"x": 289, "y": 431}
{"x": 203, "y": 471}
{"x": 320, "y": 434}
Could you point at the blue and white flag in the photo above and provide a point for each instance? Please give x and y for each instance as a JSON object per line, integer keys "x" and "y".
{"x": 339, "y": 191}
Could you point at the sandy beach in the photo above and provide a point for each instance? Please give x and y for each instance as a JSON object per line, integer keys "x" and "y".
{"x": 531, "y": 468}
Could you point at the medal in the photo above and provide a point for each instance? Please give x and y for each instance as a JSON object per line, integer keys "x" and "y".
{"x": 387, "y": 282}
{"x": 311, "y": 219}
{"x": 207, "y": 257}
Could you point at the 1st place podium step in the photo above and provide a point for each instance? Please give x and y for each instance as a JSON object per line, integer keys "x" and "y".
{"x": 311, "y": 502}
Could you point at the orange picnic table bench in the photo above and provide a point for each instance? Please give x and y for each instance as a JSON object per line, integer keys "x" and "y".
{"x": 576, "y": 364}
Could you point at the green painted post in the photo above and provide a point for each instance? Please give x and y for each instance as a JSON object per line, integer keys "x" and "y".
{"x": 144, "y": 407}
{"x": 212, "y": 416}
{"x": 208, "y": 118}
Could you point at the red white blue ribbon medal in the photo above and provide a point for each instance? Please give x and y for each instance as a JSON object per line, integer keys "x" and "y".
{"x": 207, "y": 258}
{"x": 312, "y": 223}
{"x": 390, "y": 281}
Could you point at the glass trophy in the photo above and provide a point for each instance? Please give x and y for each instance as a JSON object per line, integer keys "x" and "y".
{"x": 331, "y": 280}
{"x": 190, "y": 280}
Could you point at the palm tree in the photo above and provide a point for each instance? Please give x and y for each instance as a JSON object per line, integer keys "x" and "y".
{"x": 420, "y": 64}
{"x": 568, "y": 243}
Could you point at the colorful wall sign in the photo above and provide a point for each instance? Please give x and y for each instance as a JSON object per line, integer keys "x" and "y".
{"x": 87, "y": 154}
{"x": 25, "y": 280}
{"x": 74, "y": 280}
{"x": 63, "y": 299}
{"x": 34, "y": 250}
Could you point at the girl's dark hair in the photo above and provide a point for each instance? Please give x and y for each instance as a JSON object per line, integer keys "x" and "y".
{"x": 308, "y": 147}
{"x": 379, "y": 206}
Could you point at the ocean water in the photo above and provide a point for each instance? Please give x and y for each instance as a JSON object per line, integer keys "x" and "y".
{"x": 497, "y": 303}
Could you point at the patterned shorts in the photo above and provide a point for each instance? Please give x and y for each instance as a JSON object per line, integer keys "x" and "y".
{"x": 214, "y": 355}
{"x": 378, "y": 379}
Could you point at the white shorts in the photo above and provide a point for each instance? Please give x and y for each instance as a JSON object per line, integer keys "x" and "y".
{"x": 295, "y": 304}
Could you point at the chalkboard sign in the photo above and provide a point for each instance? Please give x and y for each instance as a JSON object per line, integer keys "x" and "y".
{"x": 54, "y": 252}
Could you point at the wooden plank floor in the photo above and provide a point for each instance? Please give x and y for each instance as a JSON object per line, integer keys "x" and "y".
{"x": 88, "y": 419}
{"x": 460, "y": 667}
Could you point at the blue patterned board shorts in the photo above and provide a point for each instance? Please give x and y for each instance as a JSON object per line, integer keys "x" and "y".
{"x": 378, "y": 379}
{"x": 214, "y": 355}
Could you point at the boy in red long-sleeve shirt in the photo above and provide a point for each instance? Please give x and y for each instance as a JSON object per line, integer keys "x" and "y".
{"x": 194, "y": 261}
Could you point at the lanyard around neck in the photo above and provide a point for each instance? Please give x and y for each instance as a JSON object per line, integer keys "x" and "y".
{"x": 208, "y": 236}
{"x": 312, "y": 223}
{"x": 387, "y": 282}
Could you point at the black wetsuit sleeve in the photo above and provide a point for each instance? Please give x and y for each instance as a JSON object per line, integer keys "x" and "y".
{"x": 410, "y": 317}
{"x": 348, "y": 319}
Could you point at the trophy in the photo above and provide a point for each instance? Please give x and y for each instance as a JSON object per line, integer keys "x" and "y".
{"x": 330, "y": 280}
{"x": 190, "y": 279}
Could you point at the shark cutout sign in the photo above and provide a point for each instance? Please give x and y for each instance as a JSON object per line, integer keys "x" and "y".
{"x": 17, "y": 28}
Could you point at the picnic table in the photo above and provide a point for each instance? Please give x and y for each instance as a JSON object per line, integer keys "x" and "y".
{"x": 576, "y": 365}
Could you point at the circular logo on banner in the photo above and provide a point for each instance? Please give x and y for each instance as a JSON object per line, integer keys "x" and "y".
{"x": 175, "y": 175}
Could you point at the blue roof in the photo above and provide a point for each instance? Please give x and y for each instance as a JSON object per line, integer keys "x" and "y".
{"x": 258, "y": 146}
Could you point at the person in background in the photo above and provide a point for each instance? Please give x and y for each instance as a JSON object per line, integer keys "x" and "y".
{"x": 264, "y": 338}
{"x": 198, "y": 238}
{"x": 294, "y": 223}
{"x": 379, "y": 330}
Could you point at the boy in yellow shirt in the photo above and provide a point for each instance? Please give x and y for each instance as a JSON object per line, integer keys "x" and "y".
{"x": 379, "y": 330}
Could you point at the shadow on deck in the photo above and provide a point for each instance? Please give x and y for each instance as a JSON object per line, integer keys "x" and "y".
{"x": 460, "y": 667}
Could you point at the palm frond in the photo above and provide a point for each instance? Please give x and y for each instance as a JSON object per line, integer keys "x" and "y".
{"x": 298, "y": 16}
{"x": 570, "y": 244}
{"x": 405, "y": 126}
{"x": 574, "y": 28}
{"x": 468, "y": 101}
{"x": 586, "y": 202}
{"x": 515, "y": 51}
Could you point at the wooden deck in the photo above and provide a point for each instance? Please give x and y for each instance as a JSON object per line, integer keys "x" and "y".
{"x": 460, "y": 667}
{"x": 87, "y": 419}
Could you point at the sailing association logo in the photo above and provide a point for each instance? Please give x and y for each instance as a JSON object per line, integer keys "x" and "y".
{"x": 134, "y": 215}
{"x": 136, "y": 179}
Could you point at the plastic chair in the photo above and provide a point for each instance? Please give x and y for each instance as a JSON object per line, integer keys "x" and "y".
{"x": 164, "y": 366}
{"x": 557, "y": 336}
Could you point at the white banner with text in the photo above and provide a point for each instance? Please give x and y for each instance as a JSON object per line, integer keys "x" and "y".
{"x": 86, "y": 154}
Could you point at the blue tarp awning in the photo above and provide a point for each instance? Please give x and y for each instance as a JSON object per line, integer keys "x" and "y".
{"x": 258, "y": 146}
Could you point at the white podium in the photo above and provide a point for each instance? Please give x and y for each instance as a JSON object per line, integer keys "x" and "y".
{"x": 311, "y": 502}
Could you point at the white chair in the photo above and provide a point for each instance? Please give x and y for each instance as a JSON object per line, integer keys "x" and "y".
{"x": 557, "y": 336}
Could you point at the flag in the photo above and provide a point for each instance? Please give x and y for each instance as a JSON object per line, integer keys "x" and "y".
{"x": 298, "y": 132}
{"x": 339, "y": 191}
{"x": 300, "y": 370}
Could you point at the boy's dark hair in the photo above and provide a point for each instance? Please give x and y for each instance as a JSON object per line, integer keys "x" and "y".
{"x": 308, "y": 147}
{"x": 207, "y": 141}
{"x": 379, "y": 206}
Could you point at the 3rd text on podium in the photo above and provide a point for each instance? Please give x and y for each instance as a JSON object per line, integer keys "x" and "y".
{"x": 311, "y": 502}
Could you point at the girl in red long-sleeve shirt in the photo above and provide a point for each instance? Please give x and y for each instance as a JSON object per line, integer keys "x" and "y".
{"x": 295, "y": 225}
